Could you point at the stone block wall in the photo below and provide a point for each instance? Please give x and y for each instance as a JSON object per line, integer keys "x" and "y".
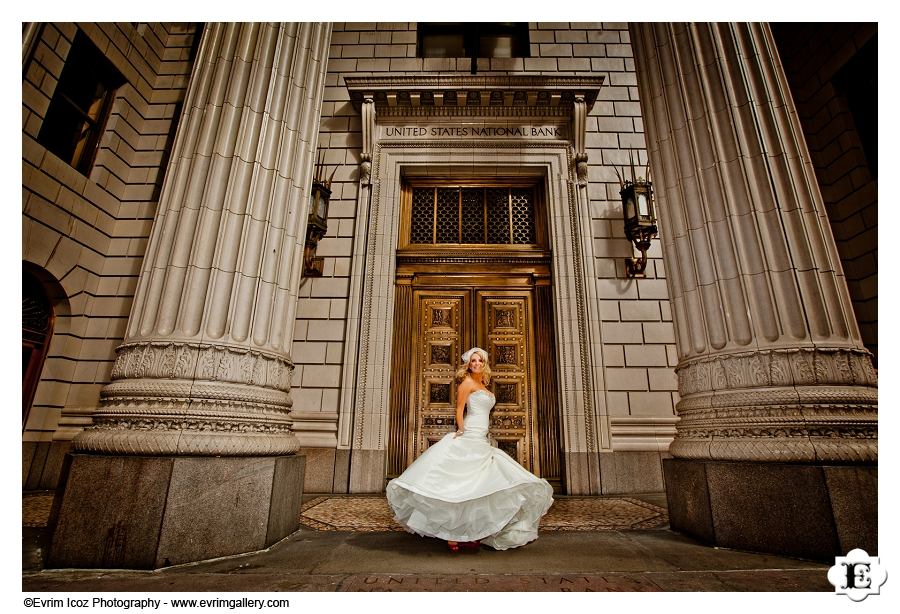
{"x": 87, "y": 234}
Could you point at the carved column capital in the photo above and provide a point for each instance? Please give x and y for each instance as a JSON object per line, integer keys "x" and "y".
{"x": 191, "y": 398}
{"x": 787, "y": 404}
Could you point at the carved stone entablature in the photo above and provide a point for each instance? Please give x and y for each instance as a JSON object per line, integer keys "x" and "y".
{"x": 783, "y": 405}
{"x": 523, "y": 113}
{"x": 473, "y": 94}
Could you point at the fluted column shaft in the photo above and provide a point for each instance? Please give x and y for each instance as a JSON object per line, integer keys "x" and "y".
{"x": 771, "y": 365}
{"x": 205, "y": 365}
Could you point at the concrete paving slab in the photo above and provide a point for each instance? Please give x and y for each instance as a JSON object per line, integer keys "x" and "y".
{"x": 658, "y": 560}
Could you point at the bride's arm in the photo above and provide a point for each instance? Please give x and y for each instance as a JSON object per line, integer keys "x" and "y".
{"x": 462, "y": 393}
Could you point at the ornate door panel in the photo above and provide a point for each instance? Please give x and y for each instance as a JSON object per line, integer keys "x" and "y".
{"x": 504, "y": 318}
{"x": 444, "y": 324}
{"x": 474, "y": 268}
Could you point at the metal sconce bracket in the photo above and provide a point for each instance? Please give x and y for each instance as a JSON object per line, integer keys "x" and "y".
{"x": 635, "y": 267}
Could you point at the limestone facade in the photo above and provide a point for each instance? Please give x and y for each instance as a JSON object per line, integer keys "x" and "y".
{"x": 633, "y": 340}
{"x": 93, "y": 236}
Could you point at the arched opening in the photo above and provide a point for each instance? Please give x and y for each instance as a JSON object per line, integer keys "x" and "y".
{"x": 38, "y": 318}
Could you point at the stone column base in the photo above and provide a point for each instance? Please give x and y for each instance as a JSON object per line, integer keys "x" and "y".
{"x": 804, "y": 510}
{"x": 582, "y": 473}
{"x": 148, "y": 512}
{"x": 367, "y": 471}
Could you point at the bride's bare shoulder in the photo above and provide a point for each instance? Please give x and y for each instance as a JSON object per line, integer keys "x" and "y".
{"x": 467, "y": 385}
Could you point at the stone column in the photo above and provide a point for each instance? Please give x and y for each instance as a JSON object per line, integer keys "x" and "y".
{"x": 205, "y": 367}
{"x": 771, "y": 367}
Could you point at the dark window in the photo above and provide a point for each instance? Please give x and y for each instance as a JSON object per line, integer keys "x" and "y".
{"x": 80, "y": 105}
{"x": 473, "y": 40}
{"x": 857, "y": 81}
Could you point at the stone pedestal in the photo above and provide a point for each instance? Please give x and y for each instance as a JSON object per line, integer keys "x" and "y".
{"x": 148, "y": 512}
{"x": 809, "y": 511}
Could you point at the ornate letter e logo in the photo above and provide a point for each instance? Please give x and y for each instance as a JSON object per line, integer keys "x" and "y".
{"x": 857, "y": 575}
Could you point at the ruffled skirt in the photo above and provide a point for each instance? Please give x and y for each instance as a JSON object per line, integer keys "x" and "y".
{"x": 463, "y": 489}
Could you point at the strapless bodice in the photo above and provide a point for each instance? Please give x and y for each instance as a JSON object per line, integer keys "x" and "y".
{"x": 478, "y": 416}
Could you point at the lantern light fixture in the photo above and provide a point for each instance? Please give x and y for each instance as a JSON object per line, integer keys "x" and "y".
{"x": 639, "y": 214}
{"x": 317, "y": 224}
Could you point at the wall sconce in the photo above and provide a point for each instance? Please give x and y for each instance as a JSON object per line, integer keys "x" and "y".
{"x": 639, "y": 214}
{"x": 317, "y": 225}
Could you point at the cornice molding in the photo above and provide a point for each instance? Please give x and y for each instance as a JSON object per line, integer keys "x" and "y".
{"x": 465, "y": 92}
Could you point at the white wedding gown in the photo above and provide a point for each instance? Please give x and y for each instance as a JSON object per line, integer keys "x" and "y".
{"x": 463, "y": 489}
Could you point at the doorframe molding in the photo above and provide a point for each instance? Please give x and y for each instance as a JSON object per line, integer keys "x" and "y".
{"x": 365, "y": 387}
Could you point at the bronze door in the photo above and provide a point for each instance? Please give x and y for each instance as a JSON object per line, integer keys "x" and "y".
{"x": 446, "y": 322}
{"x": 473, "y": 268}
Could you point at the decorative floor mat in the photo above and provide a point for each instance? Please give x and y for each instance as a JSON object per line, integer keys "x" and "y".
{"x": 369, "y": 513}
{"x": 36, "y": 510}
{"x": 372, "y": 513}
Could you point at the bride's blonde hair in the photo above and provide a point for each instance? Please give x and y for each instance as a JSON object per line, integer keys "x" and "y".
{"x": 463, "y": 371}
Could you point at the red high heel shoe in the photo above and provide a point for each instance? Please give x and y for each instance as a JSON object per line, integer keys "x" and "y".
{"x": 453, "y": 547}
{"x": 475, "y": 545}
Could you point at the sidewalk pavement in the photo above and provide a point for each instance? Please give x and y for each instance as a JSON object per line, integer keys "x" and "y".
{"x": 311, "y": 560}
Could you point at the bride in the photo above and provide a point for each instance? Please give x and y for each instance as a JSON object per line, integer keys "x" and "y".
{"x": 462, "y": 489}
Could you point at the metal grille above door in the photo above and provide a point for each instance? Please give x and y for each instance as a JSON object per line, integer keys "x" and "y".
{"x": 473, "y": 216}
